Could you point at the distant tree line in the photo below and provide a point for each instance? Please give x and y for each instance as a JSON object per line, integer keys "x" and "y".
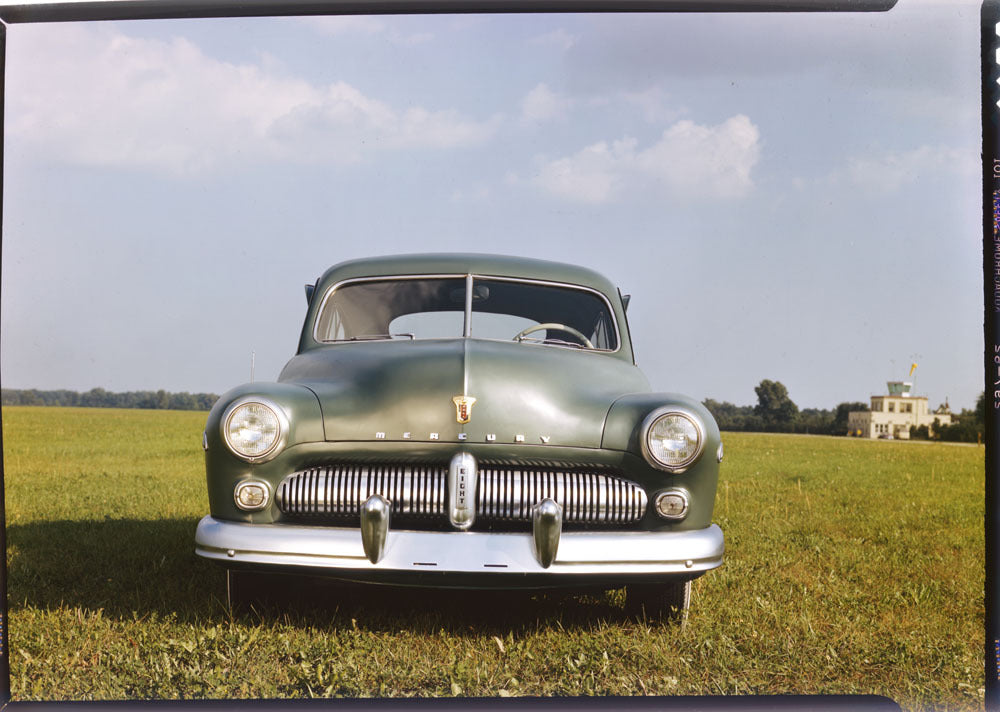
{"x": 775, "y": 412}
{"x": 100, "y": 398}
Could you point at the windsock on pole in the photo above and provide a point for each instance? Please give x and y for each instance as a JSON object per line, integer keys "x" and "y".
{"x": 912, "y": 369}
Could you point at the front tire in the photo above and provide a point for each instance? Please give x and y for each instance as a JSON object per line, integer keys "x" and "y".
{"x": 668, "y": 602}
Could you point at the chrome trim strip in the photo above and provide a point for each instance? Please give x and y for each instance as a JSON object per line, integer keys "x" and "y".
{"x": 465, "y": 374}
{"x": 468, "y": 297}
{"x": 597, "y": 553}
{"x": 467, "y": 324}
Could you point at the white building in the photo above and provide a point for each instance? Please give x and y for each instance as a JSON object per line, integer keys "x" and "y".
{"x": 892, "y": 415}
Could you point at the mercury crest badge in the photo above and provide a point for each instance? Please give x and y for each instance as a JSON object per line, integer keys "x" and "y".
{"x": 463, "y": 406}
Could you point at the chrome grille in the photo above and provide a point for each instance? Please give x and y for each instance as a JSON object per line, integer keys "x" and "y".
{"x": 342, "y": 489}
{"x": 503, "y": 493}
{"x": 587, "y": 498}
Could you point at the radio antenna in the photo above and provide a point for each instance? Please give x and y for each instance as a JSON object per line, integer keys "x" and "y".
{"x": 252, "y": 355}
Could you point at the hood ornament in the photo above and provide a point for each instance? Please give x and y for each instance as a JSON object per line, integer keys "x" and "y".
{"x": 463, "y": 406}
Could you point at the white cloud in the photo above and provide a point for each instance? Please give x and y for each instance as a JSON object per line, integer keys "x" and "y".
{"x": 593, "y": 175}
{"x": 891, "y": 171}
{"x": 653, "y": 105}
{"x": 688, "y": 161}
{"x": 97, "y": 97}
{"x": 542, "y": 104}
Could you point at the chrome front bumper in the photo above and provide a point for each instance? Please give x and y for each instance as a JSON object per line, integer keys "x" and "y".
{"x": 479, "y": 556}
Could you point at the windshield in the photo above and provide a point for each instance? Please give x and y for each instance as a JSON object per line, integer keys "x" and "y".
{"x": 434, "y": 308}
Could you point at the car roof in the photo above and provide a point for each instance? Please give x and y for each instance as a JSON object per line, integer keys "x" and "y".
{"x": 468, "y": 263}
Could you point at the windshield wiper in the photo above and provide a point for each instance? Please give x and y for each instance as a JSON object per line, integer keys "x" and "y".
{"x": 560, "y": 342}
{"x": 374, "y": 337}
{"x": 554, "y": 342}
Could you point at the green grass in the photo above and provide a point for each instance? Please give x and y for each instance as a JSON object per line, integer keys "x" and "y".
{"x": 851, "y": 567}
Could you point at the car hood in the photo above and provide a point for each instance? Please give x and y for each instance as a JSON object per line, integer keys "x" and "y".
{"x": 404, "y": 390}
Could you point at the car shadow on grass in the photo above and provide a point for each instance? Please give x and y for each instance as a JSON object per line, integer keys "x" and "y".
{"x": 130, "y": 567}
{"x": 123, "y": 566}
{"x": 377, "y": 608}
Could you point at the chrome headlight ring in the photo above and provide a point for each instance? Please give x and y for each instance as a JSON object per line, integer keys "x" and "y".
{"x": 273, "y": 428}
{"x": 662, "y": 414}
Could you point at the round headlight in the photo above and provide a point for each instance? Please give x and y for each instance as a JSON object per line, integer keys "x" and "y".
{"x": 672, "y": 439}
{"x": 253, "y": 429}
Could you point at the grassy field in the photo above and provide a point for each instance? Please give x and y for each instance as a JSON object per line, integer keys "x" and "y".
{"x": 851, "y": 567}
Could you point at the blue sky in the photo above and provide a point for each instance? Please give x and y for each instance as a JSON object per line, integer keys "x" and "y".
{"x": 793, "y": 197}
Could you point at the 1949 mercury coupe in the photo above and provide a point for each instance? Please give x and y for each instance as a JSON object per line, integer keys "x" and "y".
{"x": 469, "y": 421}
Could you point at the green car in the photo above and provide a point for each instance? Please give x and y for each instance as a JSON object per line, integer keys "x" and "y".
{"x": 469, "y": 421}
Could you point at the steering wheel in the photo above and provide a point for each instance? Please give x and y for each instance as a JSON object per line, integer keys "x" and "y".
{"x": 559, "y": 327}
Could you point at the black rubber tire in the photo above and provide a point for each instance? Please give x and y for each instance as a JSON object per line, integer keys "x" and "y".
{"x": 667, "y": 602}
